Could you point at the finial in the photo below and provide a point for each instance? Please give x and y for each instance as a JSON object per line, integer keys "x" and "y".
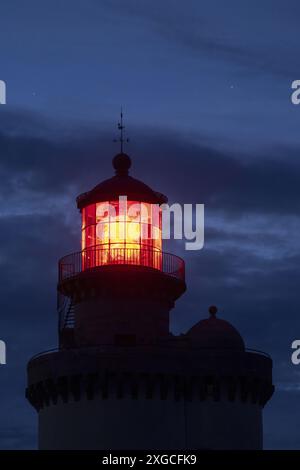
{"x": 121, "y": 163}
{"x": 121, "y": 128}
{"x": 213, "y": 310}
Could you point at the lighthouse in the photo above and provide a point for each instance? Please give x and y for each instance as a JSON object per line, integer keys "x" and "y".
{"x": 119, "y": 378}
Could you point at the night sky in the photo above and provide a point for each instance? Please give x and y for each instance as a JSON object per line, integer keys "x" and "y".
{"x": 205, "y": 87}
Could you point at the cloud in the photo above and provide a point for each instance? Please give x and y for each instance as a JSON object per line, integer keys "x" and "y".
{"x": 231, "y": 34}
{"x": 39, "y": 170}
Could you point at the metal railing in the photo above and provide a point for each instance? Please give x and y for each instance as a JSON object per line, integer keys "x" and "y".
{"x": 97, "y": 256}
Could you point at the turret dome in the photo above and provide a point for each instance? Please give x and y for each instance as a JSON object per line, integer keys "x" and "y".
{"x": 214, "y": 333}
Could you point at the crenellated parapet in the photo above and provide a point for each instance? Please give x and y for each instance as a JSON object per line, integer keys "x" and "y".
{"x": 142, "y": 373}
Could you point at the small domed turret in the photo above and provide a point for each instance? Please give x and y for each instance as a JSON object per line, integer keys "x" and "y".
{"x": 213, "y": 333}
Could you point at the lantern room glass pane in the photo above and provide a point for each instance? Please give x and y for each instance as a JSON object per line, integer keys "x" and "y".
{"x": 156, "y": 215}
{"x": 88, "y": 216}
{"x": 156, "y": 238}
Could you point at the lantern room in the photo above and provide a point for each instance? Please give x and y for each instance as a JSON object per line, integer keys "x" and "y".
{"x": 121, "y": 221}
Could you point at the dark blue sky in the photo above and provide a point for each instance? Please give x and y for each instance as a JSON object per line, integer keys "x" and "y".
{"x": 206, "y": 91}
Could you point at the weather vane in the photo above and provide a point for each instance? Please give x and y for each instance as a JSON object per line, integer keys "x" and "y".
{"x": 121, "y": 128}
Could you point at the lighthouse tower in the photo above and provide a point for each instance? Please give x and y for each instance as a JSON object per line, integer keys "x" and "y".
{"x": 119, "y": 379}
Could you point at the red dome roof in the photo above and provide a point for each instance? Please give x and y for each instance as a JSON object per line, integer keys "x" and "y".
{"x": 121, "y": 185}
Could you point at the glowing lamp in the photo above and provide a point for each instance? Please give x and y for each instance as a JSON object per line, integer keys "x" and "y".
{"x": 121, "y": 221}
